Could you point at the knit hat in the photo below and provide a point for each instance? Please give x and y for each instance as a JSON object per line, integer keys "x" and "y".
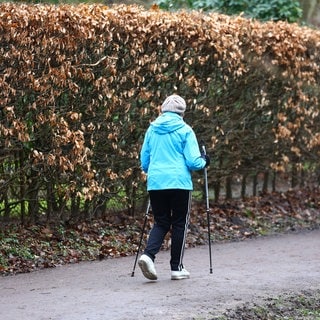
{"x": 174, "y": 103}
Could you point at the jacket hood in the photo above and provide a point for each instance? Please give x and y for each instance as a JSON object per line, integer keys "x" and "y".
{"x": 167, "y": 123}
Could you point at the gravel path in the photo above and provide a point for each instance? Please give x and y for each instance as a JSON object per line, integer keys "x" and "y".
{"x": 242, "y": 272}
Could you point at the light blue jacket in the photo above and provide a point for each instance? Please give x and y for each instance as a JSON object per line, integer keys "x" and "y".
{"x": 169, "y": 153}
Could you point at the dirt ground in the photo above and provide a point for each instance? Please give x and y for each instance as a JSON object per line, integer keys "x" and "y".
{"x": 246, "y": 271}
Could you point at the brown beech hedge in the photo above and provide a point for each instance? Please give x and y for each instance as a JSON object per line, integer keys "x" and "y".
{"x": 80, "y": 84}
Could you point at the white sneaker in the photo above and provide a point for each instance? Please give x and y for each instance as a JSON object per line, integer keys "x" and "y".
{"x": 179, "y": 275}
{"x": 147, "y": 267}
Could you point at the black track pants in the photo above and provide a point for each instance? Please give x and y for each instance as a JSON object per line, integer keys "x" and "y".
{"x": 171, "y": 210}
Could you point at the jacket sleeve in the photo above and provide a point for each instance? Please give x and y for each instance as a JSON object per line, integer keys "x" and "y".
{"x": 145, "y": 153}
{"x": 192, "y": 154}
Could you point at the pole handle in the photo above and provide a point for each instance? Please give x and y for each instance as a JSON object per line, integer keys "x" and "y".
{"x": 203, "y": 148}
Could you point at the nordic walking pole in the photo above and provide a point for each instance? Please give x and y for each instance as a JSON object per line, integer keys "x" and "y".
{"x": 141, "y": 237}
{"x": 207, "y": 204}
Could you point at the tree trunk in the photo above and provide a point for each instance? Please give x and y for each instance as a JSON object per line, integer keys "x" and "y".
{"x": 255, "y": 185}
{"x": 244, "y": 186}
{"x": 265, "y": 182}
{"x": 217, "y": 189}
{"x": 228, "y": 188}
{"x": 6, "y": 215}
{"x": 309, "y": 8}
{"x": 33, "y": 197}
{"x": 302, "y": 178}
{"x": 274, "y": 180}
{"x": 294, "y": 176}
{"x": 22, "y": 177}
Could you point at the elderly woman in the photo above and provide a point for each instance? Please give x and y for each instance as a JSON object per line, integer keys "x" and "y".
{"x": 170, "y": 152}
